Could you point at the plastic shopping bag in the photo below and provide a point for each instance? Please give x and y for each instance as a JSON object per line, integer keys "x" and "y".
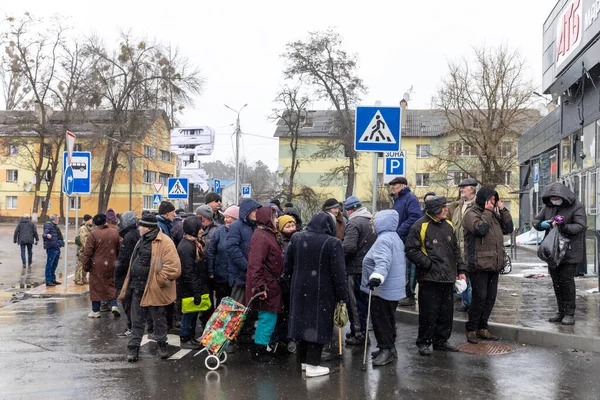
{"x": 552, "y": 250}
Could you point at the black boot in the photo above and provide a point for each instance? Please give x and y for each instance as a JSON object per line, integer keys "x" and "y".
{"x": 376, "y": 353}
{"x": 133, "y": 353}
{"x": 261, "y": 354}
{"x": 557, "y": 318}
{"x": 162, "y": 350}
{"x": 384, "y": 357}
{"x": 187, "y": 343}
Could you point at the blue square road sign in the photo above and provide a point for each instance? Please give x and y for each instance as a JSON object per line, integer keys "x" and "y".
{"x": 377, "y": 129}
{"x": 177, "y": 188}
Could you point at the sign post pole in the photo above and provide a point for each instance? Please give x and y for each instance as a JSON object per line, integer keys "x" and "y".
{"x": 66, "y": 240}
{"x": 375, "y": 168}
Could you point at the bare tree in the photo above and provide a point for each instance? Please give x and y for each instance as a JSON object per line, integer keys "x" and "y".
{"x": 293, "y": 115}
{"x": 321, "y": 62}
{"x": 127, "y": 82}
{"x": 485, "y": 100}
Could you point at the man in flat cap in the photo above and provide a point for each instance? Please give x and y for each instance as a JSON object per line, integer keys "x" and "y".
{"x": 409, "y": 210}
{"x": 458, "y": 209}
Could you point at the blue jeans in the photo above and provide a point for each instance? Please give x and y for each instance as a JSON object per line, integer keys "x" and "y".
{"x": 187, "y": 327}
{"x": 29, "y": 247}
{"x": 467, "y": 295}
{"x": 51, "y": 263}
{"x": 265, "y": 327}
{"x": 96, "y": 304}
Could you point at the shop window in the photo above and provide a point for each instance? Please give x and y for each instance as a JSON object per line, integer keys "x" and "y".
{"x": 565, "y": 155}
{"x": 553, "y": 160}
{"x": 11, "y": 202}
{"x": 148, "y": 203}
{"x": 577, "y": 151}
{"x": 588, "y": 152}
{"x": 593, "y": 202}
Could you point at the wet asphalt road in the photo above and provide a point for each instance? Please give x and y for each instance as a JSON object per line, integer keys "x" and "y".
{"x": 51, "y": 350}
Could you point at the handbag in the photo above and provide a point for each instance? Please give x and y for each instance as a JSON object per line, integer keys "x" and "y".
{"x": 188, "y": 306}
{"x": 340, "y": 315}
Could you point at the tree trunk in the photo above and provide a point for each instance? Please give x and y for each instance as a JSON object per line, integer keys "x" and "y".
{"x": 114, "y": 165}
{"x": 103, "y": 177}
{"x": 350, "y": 186}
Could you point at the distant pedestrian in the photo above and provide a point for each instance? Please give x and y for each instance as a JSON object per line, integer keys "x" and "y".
{"x": 314, "y": 261}
{"x": 53, "y": 241}
{"x": 177, "y": 228}
{"x": 155, "y": 265}
{"x": 358, "y": 239}
{"x": 209, "y": 226}
{"x": 458, "y": 210}
{"x": 265, "y": 266}
{"x": 432, "y": 246}
{"x": 81, "y": 277}
{"x": 99, "y": 256}
{"x": 218, "y": 259}
{"x": 384, "y": 267}
{"x": 287, "y": 226}
{"x": 409, "y": 211}
{"x": 166, "y": 215}
{"x": 485, "y": 224}
{"x": 562, "y": 209}
{"x": 213, "y": 200}
{"x": 193, "y": 281}
{"x": 25, "y": 235}
{"x": 333, "y": 208}
{"x": 130, "y": 235}
{"x": 238, "y": 242}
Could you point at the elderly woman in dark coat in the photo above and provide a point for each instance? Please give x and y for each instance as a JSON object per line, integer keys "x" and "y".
{"x": 99, "y": 256}
{"x": 315, "y": 262}
{"x": 265, "y": 266}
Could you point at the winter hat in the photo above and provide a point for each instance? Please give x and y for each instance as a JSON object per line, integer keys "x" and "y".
{"x": 277, "y": 203}
{"x": 149, "y": 221}
{"x": 165, "y": 207}
{"x": 128, "y": 218}
{"x": 212, "y": 196}
{"x": 180, "y": 211}
{"x": 192, "y": 225}
{"x": 286, "y": 219}
{"x": 399, "y": 179}
{"x": 352, "y": 202}
{"x": 205, "y": 211}
{"x": 330, "y": 204}
{"x": 233, "y": 212}
{"x": 288, "y": 205}
{"x": 434, "y": 205}
{"x": 429, "y": 194}
{"x": 111, "y": 216}
{"x": 87, "y": 217}
{"x": 484, "y": 194}
{"x": 468, "y": 182}
{"x": 99, "y": 219}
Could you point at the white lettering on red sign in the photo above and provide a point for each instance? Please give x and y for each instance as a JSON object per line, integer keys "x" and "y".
{"x": 568, "y": 31}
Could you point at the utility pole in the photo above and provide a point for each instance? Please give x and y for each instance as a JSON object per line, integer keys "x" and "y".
{"x": 238, "y": 133}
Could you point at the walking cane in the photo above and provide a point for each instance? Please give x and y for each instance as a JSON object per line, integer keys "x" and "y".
{"x": 340, "y": 339}
{"x": 364, "y": 367}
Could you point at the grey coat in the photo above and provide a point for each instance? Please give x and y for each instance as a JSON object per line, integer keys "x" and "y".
{"x": 358, "y": 239}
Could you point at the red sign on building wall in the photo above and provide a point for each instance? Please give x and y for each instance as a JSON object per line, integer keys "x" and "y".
{"x": 569, "y": 31}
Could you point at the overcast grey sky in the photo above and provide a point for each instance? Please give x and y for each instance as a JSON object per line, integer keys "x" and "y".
{"x": 237, "y": 45}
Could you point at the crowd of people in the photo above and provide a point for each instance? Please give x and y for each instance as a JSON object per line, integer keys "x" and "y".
{"x": 300, "y": 274}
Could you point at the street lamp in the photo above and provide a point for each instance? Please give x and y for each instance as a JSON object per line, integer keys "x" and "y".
{"x": 237, "y": 150}
{"x": 131, "y": 158}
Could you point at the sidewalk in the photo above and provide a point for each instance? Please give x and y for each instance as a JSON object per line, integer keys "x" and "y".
{"x": 59, "y": 291}
{"x": 524, "y": 305}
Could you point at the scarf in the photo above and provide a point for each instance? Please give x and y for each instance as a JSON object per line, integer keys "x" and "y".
{"x": 274, "y": 232}
{"x": 198, "y": 243}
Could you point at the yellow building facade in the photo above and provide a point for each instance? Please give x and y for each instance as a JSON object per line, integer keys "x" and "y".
{"x": 152, "y": 162}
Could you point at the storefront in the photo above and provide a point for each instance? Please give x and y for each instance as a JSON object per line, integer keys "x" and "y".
{"x": 564, "y": 146}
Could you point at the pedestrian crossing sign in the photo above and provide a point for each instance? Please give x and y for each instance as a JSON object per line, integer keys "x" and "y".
{"x": 177, "y": 188}
{"x": 377, "y": 129}
{"x": 157, "y": 199}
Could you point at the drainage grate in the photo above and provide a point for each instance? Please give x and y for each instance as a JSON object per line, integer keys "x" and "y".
{"x": 485, "y": 348}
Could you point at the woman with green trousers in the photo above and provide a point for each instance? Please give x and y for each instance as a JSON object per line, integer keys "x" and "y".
{"x": 265, "y": 266}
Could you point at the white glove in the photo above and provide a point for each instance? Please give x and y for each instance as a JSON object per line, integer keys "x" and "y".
{"x": 460, "y": 286}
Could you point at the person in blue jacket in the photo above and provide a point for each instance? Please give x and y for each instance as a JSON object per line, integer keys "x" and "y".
{"x": 384, "y": 267}
{"x": 238, "y": 242}
{"x": 409, "y": 211}
{"x": 53, "y": 241}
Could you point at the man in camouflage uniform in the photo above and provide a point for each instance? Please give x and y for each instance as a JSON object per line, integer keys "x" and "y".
{"x": 81, "y": 239}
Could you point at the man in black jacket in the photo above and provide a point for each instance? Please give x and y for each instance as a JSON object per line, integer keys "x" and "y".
{"x": 562, "y": 209}
{"x": 25, "y": 235}
{"x": 358, "y": 239}
{"x": 432, "y": 246}
{"x": 131, "y": 235}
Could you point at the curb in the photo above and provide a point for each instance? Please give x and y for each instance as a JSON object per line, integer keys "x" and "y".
{"x": 29, "y": 295}
{"x": 519, "y": 334}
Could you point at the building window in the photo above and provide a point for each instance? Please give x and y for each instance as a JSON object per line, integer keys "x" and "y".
{"x": 165, "y": 155}
{"x": 422, "y": 180}
{"x": 461, "y": 149}
{"x": 11, "y": 202}
{"x": 77, "y": 147}
{"x": 149, "y": 203}
{"x": 588, "y": 152}
{"x": 506, "y": 149}
{"x": 149, "y": 176}
{"x": 507, "y": 178}
{"x": 13, "y": 150}
{"x": 164, "y": 178}
{"x": 149, "y": 152}
{"x": 75, "y": 203}
{"x": 12, "y": 175}
{"x": 456, "y": 177}
{"x": 46, "y": 150}
{"x": 422, "y": 150}
{"x": 47, "y": 175}
{"x": 565, "y": 155}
